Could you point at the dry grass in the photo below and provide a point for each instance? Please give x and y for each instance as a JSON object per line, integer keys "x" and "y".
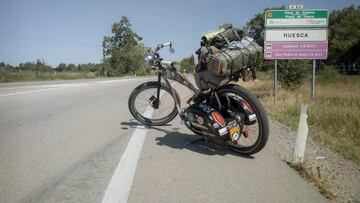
{"x": 321, "y": 185}
{"x": 333, "y": 118}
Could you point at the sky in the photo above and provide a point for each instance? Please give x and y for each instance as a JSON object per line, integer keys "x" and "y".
{"x": 71, "y": 31}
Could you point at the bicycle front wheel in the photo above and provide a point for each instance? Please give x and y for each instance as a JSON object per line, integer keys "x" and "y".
{"x": 150, "y": 110}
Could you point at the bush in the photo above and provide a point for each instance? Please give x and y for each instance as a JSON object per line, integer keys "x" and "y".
{"x": 291, "y": 74}
{"x": 329, "y": 74}
{"x": 142, "y": 71}
{"x": 265, "y": 65}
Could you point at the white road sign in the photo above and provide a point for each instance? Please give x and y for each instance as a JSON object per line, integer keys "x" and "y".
{"x": 296, "y": 35}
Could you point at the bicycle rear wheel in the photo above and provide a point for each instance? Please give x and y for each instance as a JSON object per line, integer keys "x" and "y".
{"x": 145, "y": 107}
{"x": 255, "y": 135}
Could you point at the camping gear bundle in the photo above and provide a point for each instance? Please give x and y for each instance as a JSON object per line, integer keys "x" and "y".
{"x": 226, "y": 55}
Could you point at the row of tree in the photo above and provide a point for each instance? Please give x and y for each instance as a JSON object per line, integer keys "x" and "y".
{"x": 41, "y": 66}
{"x": 187, "y": 64}
{"x": 88, "y": 67}
{"x": 123, "y": 51}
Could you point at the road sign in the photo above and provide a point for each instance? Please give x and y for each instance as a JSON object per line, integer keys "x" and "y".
{"x": 296, "y": 18}
{"x": 295, "y": 44}
{"x": 296, "y": 6}
{"x": 296, "y": 50}
{"x": 296, "y": 35}
{"x": 295, "y": 54}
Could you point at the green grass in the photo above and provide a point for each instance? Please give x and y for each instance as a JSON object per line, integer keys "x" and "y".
{"x": 25, "y": 76}
{"x": 333, "y": 118}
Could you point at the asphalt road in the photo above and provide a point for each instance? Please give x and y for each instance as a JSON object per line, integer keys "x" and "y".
{"x": 66, "y": 141}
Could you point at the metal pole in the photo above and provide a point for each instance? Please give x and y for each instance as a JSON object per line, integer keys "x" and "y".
{"x": 275, "y": 81}
{"x": 313, "y": 80}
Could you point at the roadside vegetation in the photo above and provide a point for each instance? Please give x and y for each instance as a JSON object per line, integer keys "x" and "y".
{"x": 19, "y": 76}
{"x": 333, "y": 117}
{"x": 38, "y": 71}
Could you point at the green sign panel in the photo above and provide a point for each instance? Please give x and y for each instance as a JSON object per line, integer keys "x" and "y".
{"x": 296, "y": 18}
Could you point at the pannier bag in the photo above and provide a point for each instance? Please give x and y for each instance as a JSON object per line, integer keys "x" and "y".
{"x": 219, "y": 64}
{"x": 237, "y": 56}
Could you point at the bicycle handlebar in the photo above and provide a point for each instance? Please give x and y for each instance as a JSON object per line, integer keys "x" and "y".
{"x": 160, "y": 46}
{"x": 167, "y": 44}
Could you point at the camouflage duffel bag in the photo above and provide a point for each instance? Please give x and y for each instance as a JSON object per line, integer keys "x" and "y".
{"x": 234, "y": 60}
{"x": 235, "y": 57}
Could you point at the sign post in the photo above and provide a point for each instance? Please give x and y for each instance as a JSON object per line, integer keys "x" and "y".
{"x": 313, "y": 80}
{"x": 275, "y": 81}
{"x": 296, "y": 34}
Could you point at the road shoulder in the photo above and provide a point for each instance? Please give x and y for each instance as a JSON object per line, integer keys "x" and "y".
{"x": 172, "y": 168}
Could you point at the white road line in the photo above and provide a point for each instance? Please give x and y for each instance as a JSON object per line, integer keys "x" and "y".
{"x": 119, "y": 187}
{"x": 55, "y": 85}
{"x": 58, "y": 86}
{"x": 113, "y": 81}
{"x": 31, "y": 91}
{"x": 120, "y": 184}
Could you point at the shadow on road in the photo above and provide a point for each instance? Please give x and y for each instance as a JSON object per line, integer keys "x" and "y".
{"x": 178, "y": 140}
{"x": 132, "y": 123}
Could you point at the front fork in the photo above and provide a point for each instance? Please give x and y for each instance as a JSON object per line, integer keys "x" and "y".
{"x": 157, "y": 101}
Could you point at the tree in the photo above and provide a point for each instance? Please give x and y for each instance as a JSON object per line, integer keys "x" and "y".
{"x": 71, "y": 67}
{"x": 61, "y": 67}
{"x": 255, "y": 28}
{"x": 344, "y": 38}
{"x": 256, "y": 25}
{"x": 122, "y": 53}
{"x": 188, "y": 64}
{"x": 84, "y": 67}
{"x": 38, "y": 66}
{"x": 7, "y": 67}
{"x": 292, "y": 73}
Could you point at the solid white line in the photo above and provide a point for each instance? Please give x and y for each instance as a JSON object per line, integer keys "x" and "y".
{"x": 55, "y": 85}
{"x": 112, "y": 81}
{"x": 119, "y": 187}
{"x": 120, "y": 184}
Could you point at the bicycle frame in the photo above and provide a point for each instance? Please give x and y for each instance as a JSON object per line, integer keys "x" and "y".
{"x": 165, "y": 74}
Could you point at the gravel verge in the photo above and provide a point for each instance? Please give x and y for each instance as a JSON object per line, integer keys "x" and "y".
{"x": 340, "y": 178}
